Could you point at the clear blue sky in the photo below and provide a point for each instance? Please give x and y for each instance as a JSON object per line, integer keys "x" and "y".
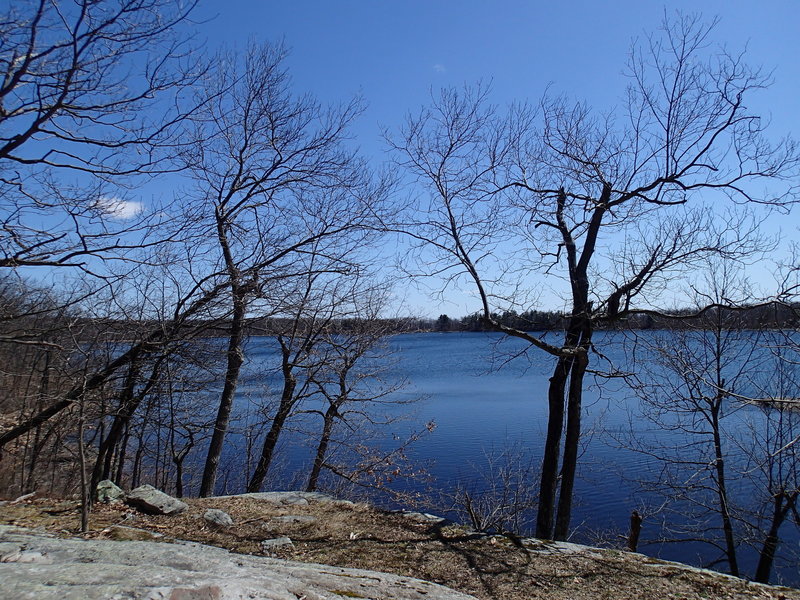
{"x": 394, "y": 52}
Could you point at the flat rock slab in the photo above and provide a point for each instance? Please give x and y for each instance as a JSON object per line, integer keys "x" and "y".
{"x": 423, "y": 517}
{"x": 50, "y": 568}
{"x": 268, "y": 547}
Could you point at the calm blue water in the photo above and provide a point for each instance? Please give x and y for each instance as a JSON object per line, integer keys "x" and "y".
{"x": 482, "y": 401}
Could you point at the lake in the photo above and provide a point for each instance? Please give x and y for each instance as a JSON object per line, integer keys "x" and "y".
{"x": 483, "y": 402}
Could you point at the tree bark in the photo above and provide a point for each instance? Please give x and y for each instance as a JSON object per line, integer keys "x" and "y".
{"x": 271, "y": 440}
{"x": 322, "y": 447}
{"x": 636, "y": 530}
{"x": 86, "y": 497}
{"x": 722, "y": 494}
{"x": 235, "y": 358}
{"x": 572, "y": 438}
{"x": 767, "y": 555}
{"x": 555, "y": 423}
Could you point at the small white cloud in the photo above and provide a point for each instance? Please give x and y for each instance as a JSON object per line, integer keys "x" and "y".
{"x": 439, "y": 68}
{"x": 117, "y": 208}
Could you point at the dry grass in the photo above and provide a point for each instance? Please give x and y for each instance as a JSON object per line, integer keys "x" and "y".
{"x": 362, "y": 536}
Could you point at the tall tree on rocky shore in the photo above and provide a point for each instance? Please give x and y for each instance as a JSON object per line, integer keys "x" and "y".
{"x": 616, "y": 205}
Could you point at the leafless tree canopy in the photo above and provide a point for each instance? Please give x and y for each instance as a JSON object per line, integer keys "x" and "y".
{"x": 90, "y": 100}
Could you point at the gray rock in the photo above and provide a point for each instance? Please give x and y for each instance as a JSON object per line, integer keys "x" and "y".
{"x": 102, "y": 569}
{"x": 422, "y": 517}
{"x": 294, "y": 519}
{"x": 218, "y": 518}
{"x": 148, "y": 499}
{"x": 109, "y": 493}
{"x": 269, "y": 547}
{"x": 24, "y": 498}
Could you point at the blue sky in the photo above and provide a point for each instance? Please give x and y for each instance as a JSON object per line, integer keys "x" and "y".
{"x": 394, "y": 53}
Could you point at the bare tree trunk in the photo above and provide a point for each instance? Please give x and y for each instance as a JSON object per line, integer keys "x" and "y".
{"x": 636, "y": 530}
{"x": 577, "y": 340}
{"x": 122, "y": 451}
{"x": 571, "y": 443}
{"x": 179, "y": 477}
{"x": 178, "y": 459}
{"x": 271, "y": 441}
{"x": 555, "y": 423}
{"x": 235, "y": 357}
{"x": 322, "y": 447}
{"x": 137, "y": 457}
{"x": 38, "y": 441}
{"x": 722, "y": 494}
{"x": 767, "y": 555}
{"x": 85, "y": 496}
{"x": 53, "y": 469}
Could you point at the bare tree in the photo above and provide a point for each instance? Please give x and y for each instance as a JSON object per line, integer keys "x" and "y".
{"x": 775, "y": 458}
{"x": 500, "y": 496}
{"x": 690, "y": 382}
{"x": 35, "y": 345}
{"x": 715, "y": 389}
{"x": 309, "y": 314}
{"x": 190, "y": 315}
{"x": 616, "y": 206}
{"x": 91, "y": 102}
{"x": 353, "y": 378}
{"x": 772, "y": 453}
{"x": 273, "y": 181}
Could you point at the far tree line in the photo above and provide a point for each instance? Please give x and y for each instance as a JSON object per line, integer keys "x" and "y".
{"x": 769, "y": 315}
{"x": 777, "y": 315}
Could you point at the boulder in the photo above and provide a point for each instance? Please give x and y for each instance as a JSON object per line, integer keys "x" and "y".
{"x": 149, "y": 500}
{"x": 109, "y": 493}
{"x": 102, "y": 569}
{"x": 218, "y": 518}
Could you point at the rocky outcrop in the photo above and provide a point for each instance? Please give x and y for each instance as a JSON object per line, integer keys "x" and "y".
{"x": 148, "y": 499}
{"x": 292, "y": 498}
{"x": 35, "y": 565}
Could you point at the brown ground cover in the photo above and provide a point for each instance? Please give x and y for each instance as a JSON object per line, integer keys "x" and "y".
{"x": 362, "y": 536}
